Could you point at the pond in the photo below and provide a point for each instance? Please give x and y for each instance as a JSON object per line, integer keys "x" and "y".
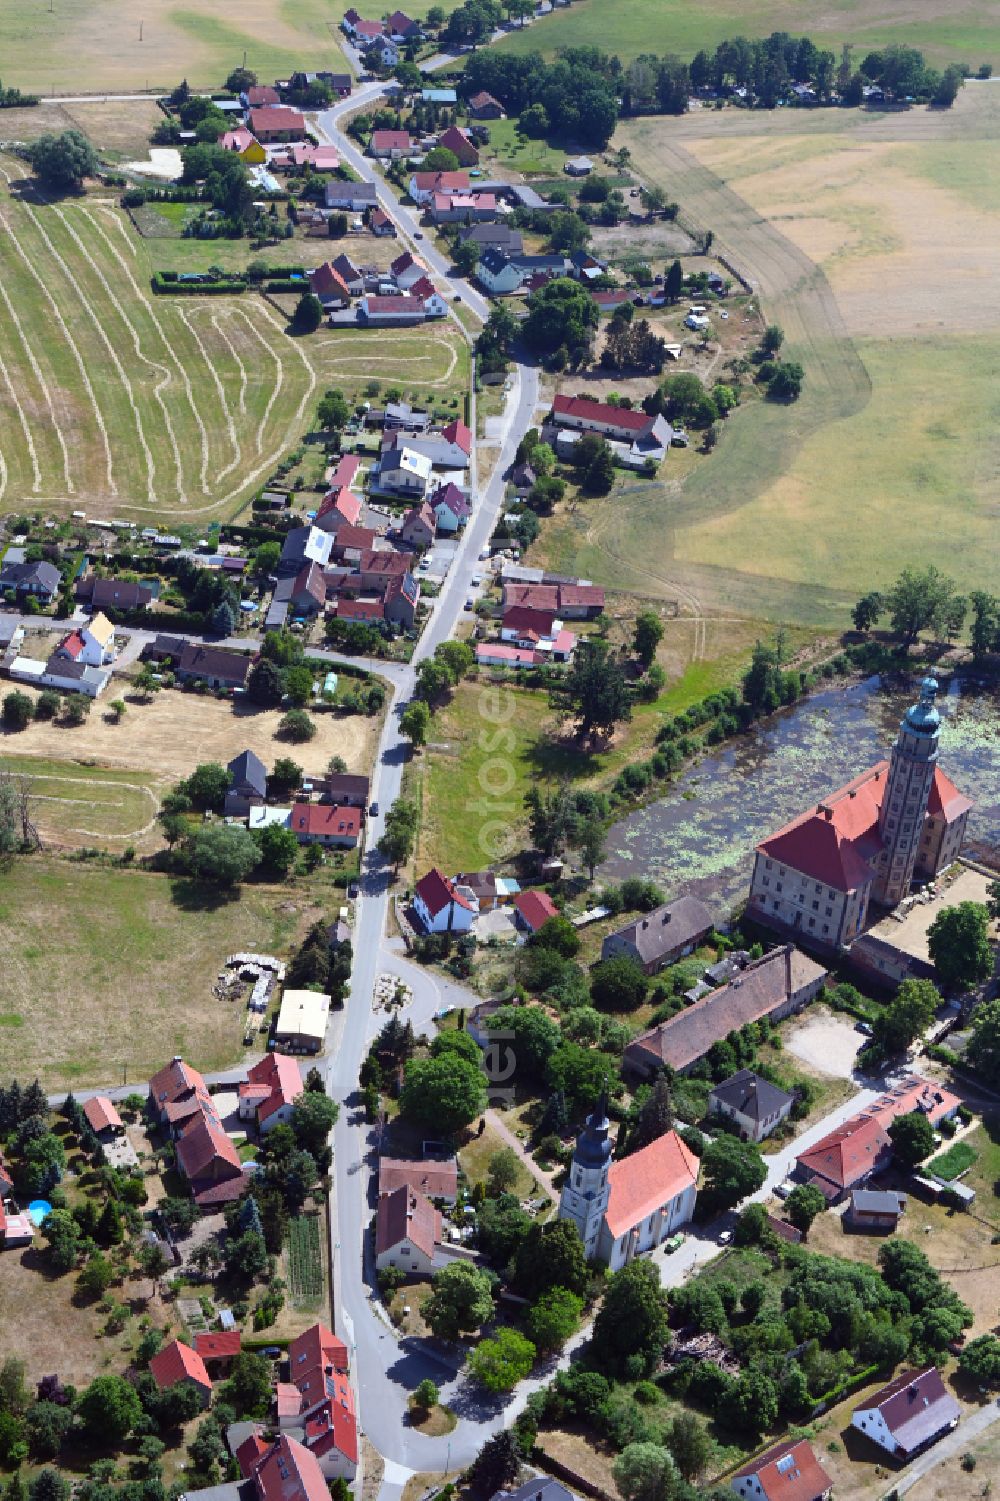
{"x": 701, "y": 836}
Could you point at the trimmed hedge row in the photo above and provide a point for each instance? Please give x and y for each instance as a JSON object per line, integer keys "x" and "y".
{"x": 162, "y": 282}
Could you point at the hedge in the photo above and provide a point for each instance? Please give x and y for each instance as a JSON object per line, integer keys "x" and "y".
{"x": 161, "y": 284}
{"x": 287, "y": 285}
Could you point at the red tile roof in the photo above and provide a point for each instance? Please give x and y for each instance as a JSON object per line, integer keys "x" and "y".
{"x": 204, "y": 1150}
{"x": 175, "y": 1082}
{"x": 584, "y": 409}
{"x": 281, "y": 1078}
{"x": 360, "y": 609}
{"x": 288, "y": 1472}
{"x": 357, "y": 538}
{"x": 849, "y": 1153}
{"x": 442, "y": 182}
{"x": 405, "y": 305}
{"x": 437, "y": 892}
{"x": 332, "y": 1424}
{"x": 369, "y": 28}
{"x": 326, "y": 282}
{"x": 836, "y": 840}
{"x": 438, "y": 1180}
{"x": 252, "y": 1449}
{"x": 344, "y": 475}
{"x": 524, "y": 618}
{"x": 383, "y": 560}
{"x": 72, "y": 645}
{"x": 276, "y": 117}
{"x": 914, "y": 1093}
{"x": 641, "y": 1183}
{"x": 498, "y": 652}
{"x": 322, "y": 818}
{"x": 102, "y": 1114}
{"x": 178, "y": 1362}
{"x": 456, "y": 432}
{"x": 945, "y": 800}
{"x": 308, "y": 1356}
{"x": 536, "y": 907}
{"x": 391, "y": 140}
{"x": 789, "y": 1471}
{"x": 262, "y": 93}
{"x": 287, "y": 1400}
{"x": 219, "y": 1345}
{"x": 405, "y": 1214}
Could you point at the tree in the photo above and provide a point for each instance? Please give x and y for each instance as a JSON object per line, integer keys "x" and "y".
{"x": 772, "y": 340}
{"x": 867, "y": 611}
{"x": 562, "y": 315}
{"x": 241, "y": 79}
{"x": 298, "y": 685}
{"x": 14, "y": 1394}
{"x": 557, "y": 933}
{"x": 983, "y": 1051}
{"x": 97, "y": 1276}
{"x": 279, "y": 849}
{"x": 47, "y": 1424}
{"x": 907, "y": 1016}
{"x": 61, "y": 1232}
{"x": 918, "y": 601}
{"x": 646, "y": 1471}
{"x": 308, "y": 314}
{"x": 223, "y": 854}
{"x": 497, "y": 1463}
{"x": 803, "y": 1204}
{"x": 673, "y": 284}
{"x": 594, "y": 691}
{"x": 689, "y": 1444}
{"x": 501, "y": 1226}
{"x": 647, "y": 636}
{"x": 415, "y": 722}
{"x": 443, "y": 1094}
{"x": 655, "y": 1118}
{"x": 207, "y": 786}
{"x": 286, "y": 777}
{"x": 533, "y": 1035}
{"x": 399, "y": 833}
{"x": 599, "y": 474}
{"x": 551, "y": 1255}
{"x": 631, "y": 1327}
{"x": 223, "y": 619}
{"x": 47, "y": 1485}
{"x": 426, "y": 1395}
{"x": 554, "y": 1317}
{"x": 912, "y": 1138}
{"x": 503, "y": 1168}
{"x": 297, "y": 725}
{"x": 333, "y": 410}
{"x": 785, "y": 382}
{"x": 465, "y": 256}
{"x": 461, "y": 1300}
{"x": 751, "y": 1404}
{"x": 591, "y": 843}
{"x": 314, "y": 1116}
{"x": 551, "y": 817}
{"x": 958, "y": 941}
{"x": 248, "y": 1389}
{"x": 618, "y": 985}
{"x": 63, "y": 161}
{"x": 266, "y": 558}
{"x": 440, "y": 159}
{"x": 246, "y": 1256}
{"x": 109, "y": 1409}
{"x": 980, "y": 1360}
{"x": 264, "y": 684}
{"x": 500, "y": 1363}
{"x": 733, "y": 1170}
{"x": 18, "y": 710}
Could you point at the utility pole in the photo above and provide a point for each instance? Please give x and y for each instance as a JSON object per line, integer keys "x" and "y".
{"x": 140, "y": 30}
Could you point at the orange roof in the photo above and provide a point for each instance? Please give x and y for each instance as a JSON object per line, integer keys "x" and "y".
{"x": 838, "y": 838}
{"x": 406, "y": 1214}
{"x": 288, "y": 1472}
{"x": 288, "y": 1400}
{"x": 102, "y": 1115}
{"x": 914, "y": 1093}
{"x": 205, "y": 1146}
{"x": 535, "y": 907}
{"x": 218, "y": 1345}
{"x": 332, "y": 1423}
{"x": 178, "y": 1362}
{"x": 308, "y": 1355}
{"x": 847, "y": 1154}
{"x": 650, "y": 1178}
{"x": 945, "y": 800}
{"x": 788, "y": 1472}
{"x": 281, "y": 1078}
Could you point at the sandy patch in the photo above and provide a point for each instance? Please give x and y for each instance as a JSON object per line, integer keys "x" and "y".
{"x": 828, "y": 1043}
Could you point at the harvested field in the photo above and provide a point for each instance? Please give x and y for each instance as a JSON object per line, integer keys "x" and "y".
{"x": 79, "y": 803}
{"x": 117, "y": 128}
{"x": 93, "y": 45}
{"x": 107, "y": 972}
{"x": 145, "y": 405}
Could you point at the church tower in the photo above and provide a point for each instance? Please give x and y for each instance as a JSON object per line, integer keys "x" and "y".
{"x": 904, "y": 806}
{"x": 585, "y": 1192}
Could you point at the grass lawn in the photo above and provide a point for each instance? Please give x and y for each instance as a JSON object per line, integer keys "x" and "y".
{"x": 108, "y": 971}
{"x": 77, "y": 803}
{"x": 952, "y": 1163}
{"x": 965, "y": 32}
{"x": 474, "y": 1160}
{"x": 93, "y": 46}
{"x": 984, "y": 1174}
{"x": 508, "y": 148}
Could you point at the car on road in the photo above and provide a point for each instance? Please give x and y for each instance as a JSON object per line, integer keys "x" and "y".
{"x": 477, "y": 578}
{"x": 784, "y": 1189}
{"x": 352, "y": 891}
{"x": 418, "y": 234}
{"x": 470, "y": 603}
{"x": 373, "y": 810}
{"x": 864, "y": 1028}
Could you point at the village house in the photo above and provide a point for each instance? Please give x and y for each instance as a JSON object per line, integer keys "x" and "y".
{"x": 532, "y": 910}
{"x": 402, "y": 28}
{"x": 418, "y": 527}
{"x": 176, "y": 1365}
{"x": 483, "y": 106}
{"x": 91, "y": 645}
{"x": 298, "y": 154}
{"x": 213, "y": 665}
{"x": 407, "y": 1230}
{"x": 302, "y": 1021}
{"x": 259, "y": 94}
{"x": 443, "y": 907}
{"x": 382, "y": 53}
{"x": 913, "y": 1411}
{"x": 248, "y": 788}
{"x": 865, "y": 844}
{"x": 460, "y": 208}
{"x": 269, "y": 1092}
{"x": 457, "y": 141}
{"x": 305, "y": 544}
{"x": 451, "y": 508}
{"x": 404, "y": 471}
{"x": 246, "y": 146}
{"x": 218, "y": 1349}
{"x": 788, "y": 1471}
{"x": 772, "y": 987}
{"x": 348, "y": 789}
{"x": 437, "y": 1179}
{"x": 329, "y": 286}
{"x": 339, "y": 512}
{"x": 497, "y": 654}
{"x": 641, "y": 431}
{"x": 390, "y": 145}
{"x": 103, "y": 1118}
{"x": 661, "y": 937}
{"x": 873, "y": 1209}
{"x": 407, "y": 269}
{"x": 451, "y": 448}
{"x": 502, "y": 273}
{"x": 39, "y": 580}
{"x": 497, "y": 236}
{"x": 490, "y": 890}
{"x": 276, "y": 122}
{"x": 624, "y": 1208}
{"x": 387, "y": 312}
{"x": 113, "y": 594}
{"x": 755, "y": 1106}
{"x": 326, "y": 824}
{"x": 423, "y": 185}
{"x": 180, "y": 1100}
{"x": 568, "y": 601}
{"x": 350, "y": 197}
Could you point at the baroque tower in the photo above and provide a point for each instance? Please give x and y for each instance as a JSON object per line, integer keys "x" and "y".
{"x": 904, "y": 805}
{"x": 585, "y": 1192}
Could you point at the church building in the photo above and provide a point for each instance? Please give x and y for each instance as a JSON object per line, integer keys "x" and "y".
{"x": 864, "y": 845}
{"x": 626, "y": 1207}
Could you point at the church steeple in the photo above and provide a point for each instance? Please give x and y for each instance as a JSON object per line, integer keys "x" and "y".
{"x": 585, "y": 1192}
{"x": 904, "y": 805}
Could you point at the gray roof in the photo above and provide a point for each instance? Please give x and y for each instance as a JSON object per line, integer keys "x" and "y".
{"x": 350, "y": 192}
{"x": 250, "y": 769}
{"x": 17, "y": 575}
{"x": 540, "y": 1488}
{"x": 751, "y": 1096}
{"x": 502, "y": 236}
{"x": 670, "y": 927}
{"x": 878, "y": 1201}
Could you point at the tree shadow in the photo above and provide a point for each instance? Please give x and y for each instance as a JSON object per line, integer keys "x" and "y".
{"x": 562, "y": 758}
{"x": 197, "y": 896}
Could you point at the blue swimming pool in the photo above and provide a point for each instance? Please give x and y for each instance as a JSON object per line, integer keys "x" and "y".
{"x": 39, "y": 1209}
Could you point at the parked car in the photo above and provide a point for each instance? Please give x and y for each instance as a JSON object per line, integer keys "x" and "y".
{"x": 373, "y": 810}
{"x": 864, "y": 1028}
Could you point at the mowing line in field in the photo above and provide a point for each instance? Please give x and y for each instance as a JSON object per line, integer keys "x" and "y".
{"x": 394, "y": 360}
{"x": 70, "y": 344}
{"x": 111, "y": 209}
{"x": 233, "y": 351}
{"x": 168, "y": 346}
{"x": 43, "y": 797}
{"x": 220, "y": 391}
{"x": 26, "y": 430}
{"x": 166, "y": 378}
{"x": 72, "y": 282}
{"x": 239, "y": 312}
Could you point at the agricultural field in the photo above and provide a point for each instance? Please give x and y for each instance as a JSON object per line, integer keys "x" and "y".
{"x": 842, "y": 223}
{"x": 77, "y": 935}
{"x": 141, "y": 406}
{"x": 963, "y": 32}
{"x": 80, "y": 803}
{"x": 92, "y": 45}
